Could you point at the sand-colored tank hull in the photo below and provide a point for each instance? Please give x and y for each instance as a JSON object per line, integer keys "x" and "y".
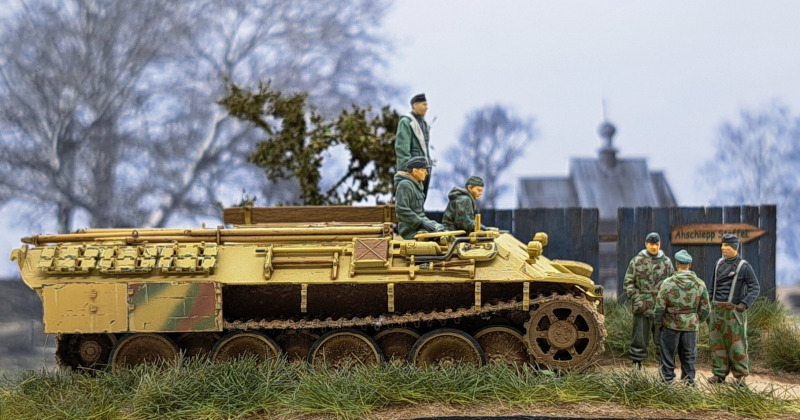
{"x": 279, "y": 288}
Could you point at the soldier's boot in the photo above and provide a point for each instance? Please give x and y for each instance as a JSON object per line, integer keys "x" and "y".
{"x": 716, "y": 380}
{"x": 739, "y": 381}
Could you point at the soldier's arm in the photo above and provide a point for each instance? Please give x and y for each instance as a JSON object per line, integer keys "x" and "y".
{"x": 753, "y": 288}
{"x": 403, "y": 206}
{"x": 465, "y": 215}
{"x": 703, "y": 307}
{"x": 630, "y": 281}
{"x": 661, "y": 302}
{"x": 402, "y": 143}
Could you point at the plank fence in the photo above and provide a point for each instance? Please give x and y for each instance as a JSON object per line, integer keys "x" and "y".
{"x": 634, "y": 223}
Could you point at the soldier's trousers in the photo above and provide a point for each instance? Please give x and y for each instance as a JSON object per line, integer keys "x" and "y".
{"x": 685, "y": 344}
{"x": 727, "y": 339}
{"x": 643, "y": 330}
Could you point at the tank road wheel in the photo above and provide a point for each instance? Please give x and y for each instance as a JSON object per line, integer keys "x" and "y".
{"x": 84, "y": 351}
{"x": 564, "y": 333}
{"x": 396, "y": 343}
{"x": 143, "y": 348}
{"x": 296, "y": 344}
{"x": 243, "y": 344}
{"x": 196, "y": 344}
{"x": 446, "y": 347}
{"x": 502, "y": 344}
{"x": 344, "y": 348}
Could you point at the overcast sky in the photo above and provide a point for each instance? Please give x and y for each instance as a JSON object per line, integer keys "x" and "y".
{"x": 670, "y": 72}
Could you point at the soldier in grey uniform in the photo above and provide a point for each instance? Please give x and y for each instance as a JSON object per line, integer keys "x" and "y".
{"x": 413, "y": 137}
{"x": 410, "y": 199}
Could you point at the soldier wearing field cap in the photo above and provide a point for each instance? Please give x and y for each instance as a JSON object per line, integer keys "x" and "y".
{"x": 734, "y": 289}
{"x": 410, "y": 199}
{"x": 460, "y": 211}
{"x": 413, "y": 137}
{"x": 643, "y": 279}
{"x": 682, "y": 304}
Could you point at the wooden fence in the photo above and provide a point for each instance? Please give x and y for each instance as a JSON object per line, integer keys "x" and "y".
{"x": 572, "y": 232}
{"x": 635, "y": 223}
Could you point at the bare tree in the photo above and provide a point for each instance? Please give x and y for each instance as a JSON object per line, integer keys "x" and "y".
{"x": 491, "y": 140}
{"x": 757, "y": 161}
{"x": 109, "y": 108}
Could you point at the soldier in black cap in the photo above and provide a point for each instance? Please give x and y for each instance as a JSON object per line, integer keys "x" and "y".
{"x": 733, "y": 290}
{"x": 643, "y": 278}
{"x": 410, "y": 199}
{"x": 413, "y": 137}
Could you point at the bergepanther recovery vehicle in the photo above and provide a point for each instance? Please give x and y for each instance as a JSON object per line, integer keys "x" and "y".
{"x": 330, "y": 285}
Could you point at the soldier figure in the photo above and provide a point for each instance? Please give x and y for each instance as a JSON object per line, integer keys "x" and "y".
{"x": 643, "y": 278}
{"x": 681, "y": 305}
{"x": 735, "y": 289}
{"x": 413, "y": 137}
{"x": 460, "y": 212}
{"x": 410, "y": 198}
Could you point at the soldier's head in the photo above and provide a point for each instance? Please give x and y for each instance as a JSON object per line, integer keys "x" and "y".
{"x": 683, "y": 261}
{"x": 730, "y": 245}
{"x": 653, "y": 243}
{"x": 418, "y": 168}
{"x": 475, "y": 186}
{"x": 419, "y": 105}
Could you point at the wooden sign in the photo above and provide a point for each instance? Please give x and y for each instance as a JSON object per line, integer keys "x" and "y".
{"x": 712, "y": 234}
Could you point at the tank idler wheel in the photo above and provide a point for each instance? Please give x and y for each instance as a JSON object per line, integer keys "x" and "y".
{"x": 432, "y": 235}
{"x": 296, "y": 344}
{"x": 446, "y": 347}
{"x": 396, "y": 343}
{"x": 84, "y": 351}
{"x": 241, "y": 344}
{"x": 564, "y": 334}
{"x": 142, "y": 348}
{"x": 344, "y": 348}
{"x": 503, "y": 344}
{"x": 196, "y": 344}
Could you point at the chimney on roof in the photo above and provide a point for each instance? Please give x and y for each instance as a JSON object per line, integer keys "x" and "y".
{"x": 608, "y": 154}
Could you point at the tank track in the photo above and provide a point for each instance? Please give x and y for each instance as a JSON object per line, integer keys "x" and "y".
{"x": 407, "y": 318}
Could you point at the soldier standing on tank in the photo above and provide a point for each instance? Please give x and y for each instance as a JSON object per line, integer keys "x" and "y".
{"x": 460, "y": 211}
{"x": 410, "y": 199}
{"x": 734, "y": 290}
{"x": 413, "y": 137}
{"x": 681, "y": 305}
{"x": 643, "y": 278}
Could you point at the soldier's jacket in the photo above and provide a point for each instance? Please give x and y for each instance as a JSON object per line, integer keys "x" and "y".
{"x": 746, "y": 289}
{"x": 412, "y": 139}
{"x": 409, "y": 200}
{"x": 460, "y": 212}
{"x": 643, "y": 279}
{"x": 682, "y": 302}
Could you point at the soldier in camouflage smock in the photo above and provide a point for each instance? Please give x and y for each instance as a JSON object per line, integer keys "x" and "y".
{"x": 682, "y": 304}
{"x": 460, "y": 211}
{"x": 733, "y": 290}
{"x": 643, "y": 278}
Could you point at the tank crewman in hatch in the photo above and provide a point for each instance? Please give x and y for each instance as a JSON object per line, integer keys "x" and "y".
{"x": 643, "y": 278}
{"x": 681, "y": 305}
{"x": 413, "y": 137}
{"x": 734, "y": 290}
{"x": 409, "y": 200}
{"x": 460, "y": 212}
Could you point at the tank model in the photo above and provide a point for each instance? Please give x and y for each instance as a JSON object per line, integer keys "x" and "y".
{"x": 328, "y": 285}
